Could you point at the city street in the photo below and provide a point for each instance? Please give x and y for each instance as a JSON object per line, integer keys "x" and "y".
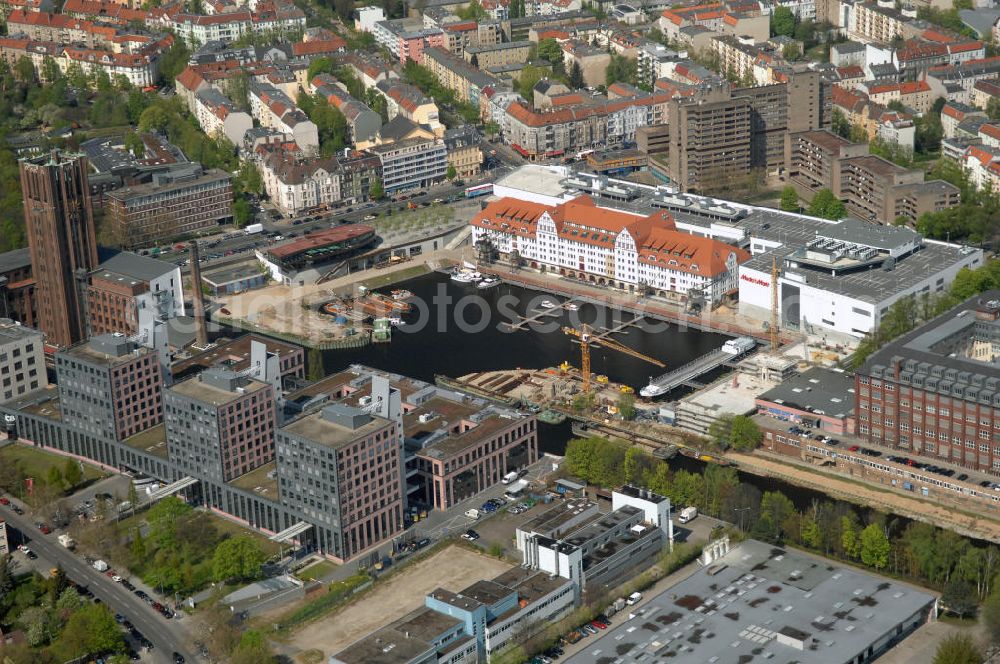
{"x": 235, "y": 246}
{"x": 168, "y": 636}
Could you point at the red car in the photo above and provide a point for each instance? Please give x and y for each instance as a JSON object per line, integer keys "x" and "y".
{"x": 45, "y": 529}
{"x": 853, "y": 448}
{"x": 5, "y": 501}
{"x": 599, "y": 624}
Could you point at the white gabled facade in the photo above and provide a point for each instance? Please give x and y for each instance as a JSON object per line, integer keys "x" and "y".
{"x": 611, "y": 247}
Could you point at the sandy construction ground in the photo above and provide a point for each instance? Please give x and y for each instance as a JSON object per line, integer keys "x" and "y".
{"x": 453, "y": 568}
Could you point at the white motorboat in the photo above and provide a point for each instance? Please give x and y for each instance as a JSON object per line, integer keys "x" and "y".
{"x": 462, "y": 276}
{"x": 652, "y": 390}
{"x": 548, "y": 304}
{"x": 572, "y": 306}
{"x": 489, "y": 281}
{"x": 395, "y": 321}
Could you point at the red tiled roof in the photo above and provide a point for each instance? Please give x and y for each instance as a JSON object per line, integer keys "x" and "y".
{"x": 580, "y": 220}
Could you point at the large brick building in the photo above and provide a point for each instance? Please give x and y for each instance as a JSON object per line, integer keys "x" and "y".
{"x": 166, "y": 208}
{"x": 129, "y": 283}
{"x": 60, "y": 227}
{"x": 935, "y": 392}
{"x": 17, "y": 287}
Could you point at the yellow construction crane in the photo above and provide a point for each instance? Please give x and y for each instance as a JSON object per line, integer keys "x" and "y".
{"x": 586, "y": 338}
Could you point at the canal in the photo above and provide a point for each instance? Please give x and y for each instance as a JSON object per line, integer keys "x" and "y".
{"x": 457, "y": 329}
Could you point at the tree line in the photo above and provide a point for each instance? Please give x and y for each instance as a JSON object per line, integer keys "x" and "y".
{"x": 916, "y": 551}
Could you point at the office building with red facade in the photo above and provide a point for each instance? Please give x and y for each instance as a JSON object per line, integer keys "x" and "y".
{"x": 935, "y": 392}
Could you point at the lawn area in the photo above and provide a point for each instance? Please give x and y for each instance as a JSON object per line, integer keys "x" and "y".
{"x": 316, "y": 570}
{"x": 36, "y": 463}
{"x": 230, "y": 529}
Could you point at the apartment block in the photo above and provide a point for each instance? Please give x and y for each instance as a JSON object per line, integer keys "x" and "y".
{"x": 172, "y": 205}
{"x": 218, "y": 116}
{"x": 465, "y": 80}
{"x": 22, "y": 360}
{"x": 362, "y": 121}
{"x": 340, "y": 468}
{"x": 110, "y": 386}
{"x": 275, "y": 109}
{"x": 295, "y": 182}
{"x": 412, "y": 163}
{"x": 220, "y": 424}
{"x": 464, "y": 153}
{"x": 710, "y": 140}
{"x": 407, "y": 100}
{"x": 541, "y": 134}
{"x": 497, "y": 55}
{"x": 872, "y": 188}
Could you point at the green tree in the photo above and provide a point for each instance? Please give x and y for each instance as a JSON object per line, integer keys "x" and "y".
{"x": 777, "y": 508}
{"x": 50, "y": 70}
{"x": 790, "y": 199}
{"x": 164, "y": 518}
{"x": 138, "y": 546}
{"x": 576, "y": 76}
{"x": 6, "y": 579}
{"x": 451, "y": 173}
{"x": 635, "y": 459}
{"x": 54, "y": 478}
{"x": 237, "y": 558}
{"x": 315, "y": 362}
{"x": 529, "y": 77}
{"x": 242, "y": 212}
{"x": 35, "y": 623}
{"x": 874, "y": 547}
{"x": 174, "y": 61}
{"x": 959, "y": 598}
{"x": 376, "y": 191}
{"x": 990, "y": 614}
{"x": 826, "y": 205}
{"x": 993, "y": 108}
{"x": 783, "y": 22}
{"x": 69, "y": 601}
{"x": 958, "y": 649}
{"x": 850, "y": 541}
{"x": 91, "y": 629}
{"x": 626, "y": 406}
{"x": 322, "y": 65}
{"x": 745, "y": 435}
{"x": 72, "y": 473}
{"x": 550, "y": 50}
{"x": 24, "y": 70}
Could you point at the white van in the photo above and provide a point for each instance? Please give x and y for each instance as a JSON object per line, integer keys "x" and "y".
{"x": 472, "y": 514}
{"x": 688, "y": 514}
{"x": 509, "y": 477}
{"x": 633, "y": 599}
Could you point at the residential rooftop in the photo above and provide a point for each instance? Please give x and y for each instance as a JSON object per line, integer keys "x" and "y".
{"x": 320, "y": 428}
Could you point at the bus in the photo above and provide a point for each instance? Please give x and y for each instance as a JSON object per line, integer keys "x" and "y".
{"x": 479, "y": 190}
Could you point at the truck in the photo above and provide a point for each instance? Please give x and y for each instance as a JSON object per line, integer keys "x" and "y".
{"x": 253, "y": 229}
{"x": 100, "y": 566}
{"x": 509, "y": 477}
{"x": 688, "y": 514}
{"x": 67, "y": 541}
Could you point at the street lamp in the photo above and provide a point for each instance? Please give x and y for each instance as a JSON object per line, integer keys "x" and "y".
{"x": 741, "y": 510}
